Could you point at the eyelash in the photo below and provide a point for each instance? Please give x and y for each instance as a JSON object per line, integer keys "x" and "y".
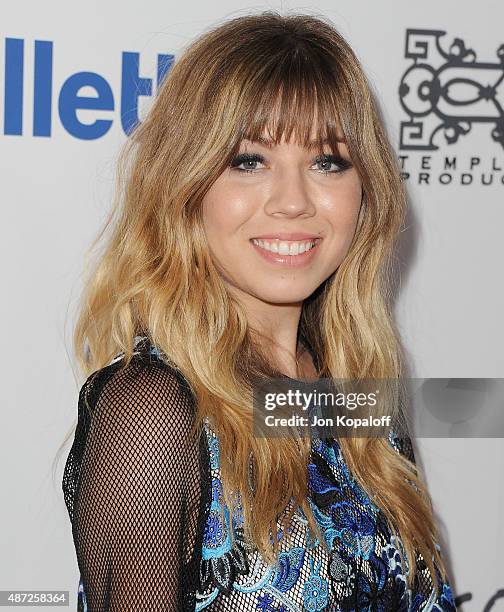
{"x": 255, "y": 157}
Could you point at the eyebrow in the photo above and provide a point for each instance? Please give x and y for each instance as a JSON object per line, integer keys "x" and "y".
{"x": 313, "y": 144}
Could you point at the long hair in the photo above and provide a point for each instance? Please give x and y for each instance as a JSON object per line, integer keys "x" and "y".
{"x": 155, "y": 277}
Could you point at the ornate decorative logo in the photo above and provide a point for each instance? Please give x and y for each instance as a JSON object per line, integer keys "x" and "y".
{"x": 446, "y": 92}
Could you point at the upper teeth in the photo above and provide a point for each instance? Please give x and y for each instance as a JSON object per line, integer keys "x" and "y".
{"x": 285, "y": 247}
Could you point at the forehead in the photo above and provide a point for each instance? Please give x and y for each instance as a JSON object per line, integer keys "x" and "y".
{"x": 307, "y": 115}
{"x": 266, "y": 141}
{"x": 304, "y": 132}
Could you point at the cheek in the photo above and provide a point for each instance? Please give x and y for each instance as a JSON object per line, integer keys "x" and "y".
{"x": 217, "y": 214}
{"x": 343, "y": 215}
{"x": 225, "y": 212}
{"x": 344, "y": 210}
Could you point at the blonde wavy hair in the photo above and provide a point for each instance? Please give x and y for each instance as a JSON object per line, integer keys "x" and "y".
{"x": 154, "y": 275}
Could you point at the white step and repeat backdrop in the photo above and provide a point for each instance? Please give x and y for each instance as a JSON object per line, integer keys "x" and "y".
{"x": 69, "y": 73}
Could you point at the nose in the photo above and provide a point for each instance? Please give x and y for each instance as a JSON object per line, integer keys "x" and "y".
{"x": 290, "y": 196}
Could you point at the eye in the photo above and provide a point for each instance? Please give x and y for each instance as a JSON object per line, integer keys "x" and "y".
{"x": 329, "y": 159}
{"x": 246, "y": 158}
{"x": 254, "y": 158}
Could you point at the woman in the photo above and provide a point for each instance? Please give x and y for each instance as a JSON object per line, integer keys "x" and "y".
{"x": 251, "y": 239}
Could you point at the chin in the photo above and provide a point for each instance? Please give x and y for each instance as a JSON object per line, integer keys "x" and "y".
{"x": 285, "y": 294}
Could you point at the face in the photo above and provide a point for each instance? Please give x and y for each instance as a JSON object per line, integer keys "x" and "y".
{"x": 280, "y": 219}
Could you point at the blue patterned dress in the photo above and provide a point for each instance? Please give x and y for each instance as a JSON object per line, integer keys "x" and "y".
{"x": 363, "y": 571}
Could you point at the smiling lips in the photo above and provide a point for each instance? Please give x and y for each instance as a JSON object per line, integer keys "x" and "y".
{"x": 285, "y": 247}
{"x": 287, "y": 252}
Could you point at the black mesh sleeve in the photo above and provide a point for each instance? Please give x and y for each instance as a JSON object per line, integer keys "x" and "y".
{"x": 133, "y": 486}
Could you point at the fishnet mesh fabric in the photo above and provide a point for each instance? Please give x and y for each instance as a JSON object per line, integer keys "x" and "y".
{"x": 133, "y": 488}
{"x": 148, "y": 527}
